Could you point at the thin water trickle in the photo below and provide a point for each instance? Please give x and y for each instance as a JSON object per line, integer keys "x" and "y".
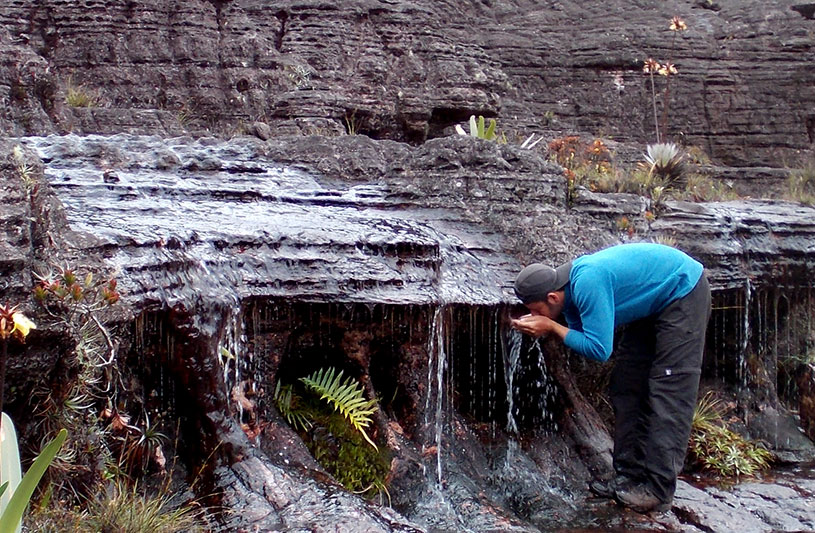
{"x": 745, "y": 334}
{"x": 434, "y": 406}
{"x": 547, "y": 389}
{"x": 231, "y": 357}
{"x": 511, "y": 357}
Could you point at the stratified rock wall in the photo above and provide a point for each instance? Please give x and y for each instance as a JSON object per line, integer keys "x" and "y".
{"x": 199, "y": 228}
{"x": 410, "y": 70}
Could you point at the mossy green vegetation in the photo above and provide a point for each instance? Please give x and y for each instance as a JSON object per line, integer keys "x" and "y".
{"x": 343, "y": 452}
{"x": 330, "y": 413}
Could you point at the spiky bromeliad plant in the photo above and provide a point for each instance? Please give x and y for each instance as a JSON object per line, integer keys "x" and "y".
{"x": 666, "y": 163}
{"x": 714, "y": 448}
{"x": 662, "y": 171}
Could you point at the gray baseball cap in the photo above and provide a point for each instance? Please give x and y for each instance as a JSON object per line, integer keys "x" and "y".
{"x": 535, "y": 281}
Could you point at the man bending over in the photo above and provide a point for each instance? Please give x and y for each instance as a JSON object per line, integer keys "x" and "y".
{"x": 662, "y": 298}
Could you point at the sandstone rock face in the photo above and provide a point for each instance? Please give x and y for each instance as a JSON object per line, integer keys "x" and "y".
{"x": 302, "y": 231}
{"x": 410, "y": 70}
{"x": 743, "y": 241}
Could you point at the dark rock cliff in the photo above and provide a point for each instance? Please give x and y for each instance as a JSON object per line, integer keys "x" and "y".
{"x": 410, "y": 70}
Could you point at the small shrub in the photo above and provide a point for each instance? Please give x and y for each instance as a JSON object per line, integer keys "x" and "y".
{"x": 624, "y": 224}
{"x": 801, "y": 185}
{"x": 299, "y": 76}
{"x": 80, "y": 96}
{"x": 122, "y": 508}
{"x": 587, "y": 164}
{"x": 700, "y": 188}
{"x": 714, "y": 448}
{"x": 24, "y": 169}
{"x": 353, "y": 124}
{"x": 696, "y": 155}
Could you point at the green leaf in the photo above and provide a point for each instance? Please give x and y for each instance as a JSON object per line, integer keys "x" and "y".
{"x": 287, "y": 402}
{"x": 490, "y": 133}
{"x": 9, "y": 461}
{"x": 346, "y": 397}
{"x": 3, "y": 488}
{"x": 13, "y": 513}
{"x": 480, "y": 126}
{"x": 473, "y": 127}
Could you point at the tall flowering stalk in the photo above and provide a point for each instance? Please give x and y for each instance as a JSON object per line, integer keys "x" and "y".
{"x": 651, "y": 67}
{"x": 668, "y": 69}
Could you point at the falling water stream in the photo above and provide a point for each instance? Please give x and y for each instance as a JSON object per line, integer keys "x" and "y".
{"x": 266, "y": 259}
{"x": 513, "y": 355}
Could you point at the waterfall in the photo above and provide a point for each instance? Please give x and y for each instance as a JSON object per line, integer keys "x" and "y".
{"x": 231, "y": 355}
{"x": 745, "y": 334}
{"x": 547, "y": 389}
{"x": 437, "y": 361}
{"x": 511, "y": 357}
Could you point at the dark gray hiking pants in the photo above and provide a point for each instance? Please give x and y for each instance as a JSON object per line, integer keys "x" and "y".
{"x": 653, "y": 390}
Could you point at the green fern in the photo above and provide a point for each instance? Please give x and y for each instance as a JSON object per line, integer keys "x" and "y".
{"x": 346, "y": 397}
{"x": 286, "y": 402}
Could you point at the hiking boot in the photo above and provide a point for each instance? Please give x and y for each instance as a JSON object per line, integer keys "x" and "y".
{"x": 639, "y": 498}
{"x": 607, "y": 488}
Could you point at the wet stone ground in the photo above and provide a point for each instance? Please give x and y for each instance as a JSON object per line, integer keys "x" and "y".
{"x": 785, "y": 501}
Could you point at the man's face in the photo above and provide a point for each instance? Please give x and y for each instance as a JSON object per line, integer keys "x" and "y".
{"x": 550, "y": 308}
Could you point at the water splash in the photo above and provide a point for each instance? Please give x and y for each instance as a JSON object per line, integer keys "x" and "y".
{"x": 547, "y": 389}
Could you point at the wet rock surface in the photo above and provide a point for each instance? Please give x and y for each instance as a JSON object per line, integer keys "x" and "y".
{"x": 744, "y": 240}
{"x": 199, "y": 228}
{"x": 270, "y": 246}
{"x": 785, "y": 505}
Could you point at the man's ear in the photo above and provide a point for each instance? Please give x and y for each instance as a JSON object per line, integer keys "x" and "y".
{"x": 554, "y": 297}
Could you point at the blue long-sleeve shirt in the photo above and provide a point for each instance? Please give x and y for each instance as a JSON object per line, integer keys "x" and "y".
{"x": 619, "y": 285}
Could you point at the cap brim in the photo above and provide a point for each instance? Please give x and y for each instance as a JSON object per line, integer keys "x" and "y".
{"x": 562, "y": 274}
